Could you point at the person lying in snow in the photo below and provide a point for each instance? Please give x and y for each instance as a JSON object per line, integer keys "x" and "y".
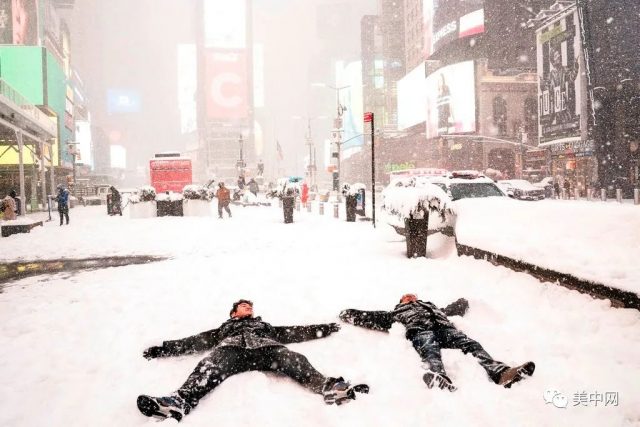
{"x": 429, "y": 330}
{"x": 244, "y": 343}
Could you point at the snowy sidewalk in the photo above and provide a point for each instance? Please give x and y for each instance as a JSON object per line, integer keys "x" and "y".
{"x": 72, "y": 343}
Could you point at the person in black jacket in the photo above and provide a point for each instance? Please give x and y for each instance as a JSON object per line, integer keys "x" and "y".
{"x": 244, "y": 343}
{"x": 429, "y": 329}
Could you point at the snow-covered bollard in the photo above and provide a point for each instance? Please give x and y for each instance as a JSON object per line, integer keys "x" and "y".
{"x": 577, "y": 193}
{"x": 603, "y": 194}
{"x": 298, "y": 205}
{"x": 321, "y": 208}
{"x": 619, "y": 195}
{"x": 309, "y": 207}
{"x": 336, "y": 212}
{"x": 636, "y": 196}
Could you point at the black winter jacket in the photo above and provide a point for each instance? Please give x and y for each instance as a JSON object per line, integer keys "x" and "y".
{"x": 248, "y": 333}
{"x": 416, "y": 316}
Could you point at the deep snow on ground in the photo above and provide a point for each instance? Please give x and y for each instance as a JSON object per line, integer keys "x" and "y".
{"x": 592, "y": 240}
{"x": 72, "y": 343}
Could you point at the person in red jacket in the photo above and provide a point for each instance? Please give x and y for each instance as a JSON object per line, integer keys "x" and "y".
{"x": 304, "y": 197}
{"x": 224, "y": 198}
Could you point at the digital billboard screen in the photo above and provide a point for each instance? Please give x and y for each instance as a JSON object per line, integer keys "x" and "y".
{"x": 19, "y": 22}
{"x": 449, "y": 20}
{"x": 451, "y": 100}
{"x": 121, "y": 101}
{"x": 559, "y": 94}
{"x": 411, "y": 98}
{"x": 349, "y": 75}
{"x": 227, "y": 94}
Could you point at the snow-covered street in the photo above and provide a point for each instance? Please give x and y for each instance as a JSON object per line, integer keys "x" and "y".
{"x": 72, "y": 343}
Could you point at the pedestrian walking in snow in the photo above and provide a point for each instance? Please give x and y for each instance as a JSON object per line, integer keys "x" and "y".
{"x": 244, "y": 343}
{"x": 63, "y": 203}
{"x": 224, "y": 198}
{"x": 304, "y": 195}
{"x": 9, "y": 207}
{"x": 253, "y": 187}
{"x": 429, "y": 330}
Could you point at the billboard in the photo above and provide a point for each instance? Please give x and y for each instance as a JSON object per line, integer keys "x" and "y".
{"x": 350, "y": 74}
{"x": 225, "y": 24}
{"x": 226, "y": 85}
{"x": 411, "y": 98}
{"x": 19, "y": 22}
{"x": 451, "y": 100}
{"x": 123, "y": 101}
{"x": 187, "y": 86}
{"x": 448, "y": 20}
{"x": 559, "y": 94}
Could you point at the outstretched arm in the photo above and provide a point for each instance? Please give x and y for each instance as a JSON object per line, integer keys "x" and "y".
{"x": 291, "y": 334}
{"x": 376, "y": 320}
{"x": 457, "y": 308}
{"x": 202, "y": 341}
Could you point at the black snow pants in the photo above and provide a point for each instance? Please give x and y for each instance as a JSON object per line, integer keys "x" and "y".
{"x": 64, "y": 214}
{"x": 225, "y": 361}
{"x": 429, "y": 342}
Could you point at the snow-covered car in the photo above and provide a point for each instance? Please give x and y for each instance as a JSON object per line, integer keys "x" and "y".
{"x": 547, "y": 185}
{"x": 522, "y": 189}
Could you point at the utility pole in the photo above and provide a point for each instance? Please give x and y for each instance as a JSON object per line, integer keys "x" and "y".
{"x": 369, "y": 118}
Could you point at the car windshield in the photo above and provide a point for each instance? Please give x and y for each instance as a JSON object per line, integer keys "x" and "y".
{"x": 473, "y": 190}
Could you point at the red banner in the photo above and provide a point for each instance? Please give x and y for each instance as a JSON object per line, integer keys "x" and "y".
{"x": 226, "y": 85}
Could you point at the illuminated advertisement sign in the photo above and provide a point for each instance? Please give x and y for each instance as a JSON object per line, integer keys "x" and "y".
{"x": 19, "y": 22}
{"x": 225, "y": 24}
{"x": 226, "y": 85}
{"x": 123, "y": 101}
{"x": 83, "y": 138}
{"x": 449, "y": 20}
{"x": 187, "y": 86}
{"x": 411, "y": 98}
{"x": 559, "y": 94}
{"x": 451, "y": 100}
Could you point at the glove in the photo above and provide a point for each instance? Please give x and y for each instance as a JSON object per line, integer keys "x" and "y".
{"x": 153, "y": 352}
{"x": 334, "y": 327}
{"x": 346, "y": 315}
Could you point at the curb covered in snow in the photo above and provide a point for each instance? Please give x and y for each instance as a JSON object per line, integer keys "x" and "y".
{"x": 619, "y": 298}
{"x": 22, "y": 269}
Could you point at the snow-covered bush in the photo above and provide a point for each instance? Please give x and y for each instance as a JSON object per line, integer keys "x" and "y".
{"x": 146, "y": 194}
{"x": 197, "y": 192}
{"x": 285, "y": 188}
{"x": 406, "y": 202}
{"x": 168, "y": 196}
{"x": 353, "y": 189}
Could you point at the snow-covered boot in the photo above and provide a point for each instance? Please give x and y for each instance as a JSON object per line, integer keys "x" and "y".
{"x": 439, "y": 380}
{"x": 339, "y": 391}
{"x": 512, "y": 375}
{"x": 172, "y": 406}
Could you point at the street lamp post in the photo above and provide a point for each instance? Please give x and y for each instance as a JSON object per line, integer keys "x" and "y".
{"x": 241, "y": 163}
{"x": 337, "y": 131}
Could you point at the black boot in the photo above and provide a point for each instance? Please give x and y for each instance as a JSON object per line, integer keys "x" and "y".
{"x": 339, "y": 391}
{"x": 441, "y": 381}
{"x": 512, "y": 375}
{"x": 173, "y": 406}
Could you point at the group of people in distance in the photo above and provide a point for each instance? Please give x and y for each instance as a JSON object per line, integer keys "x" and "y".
{"x": 247, "y": 343}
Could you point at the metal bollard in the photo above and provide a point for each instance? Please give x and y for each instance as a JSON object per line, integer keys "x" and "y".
{"x": 321, "y": 208}
{"x": 298, "y": 205}
{"x": 565, "y": 196}
{"x": 336, "y": 212}
{"x": 309, "y": 207}
{"x": 589, "y": 194}
{"x": 636, "y": 196}
{"x": 603, "y": 194}
{"x": 577, "y": 194}
{"x": 619, "y": 195}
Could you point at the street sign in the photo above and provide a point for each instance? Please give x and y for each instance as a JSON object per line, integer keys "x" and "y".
{"x": 368, "y": 117}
